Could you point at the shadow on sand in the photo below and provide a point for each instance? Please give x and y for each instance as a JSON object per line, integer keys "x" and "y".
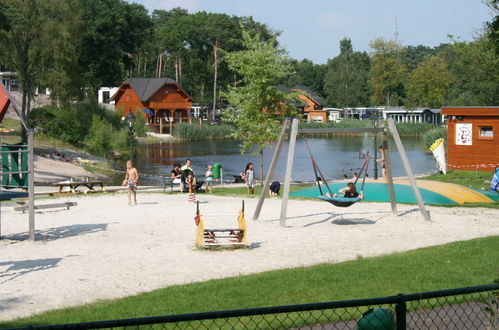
{"x": 52, "y": 234}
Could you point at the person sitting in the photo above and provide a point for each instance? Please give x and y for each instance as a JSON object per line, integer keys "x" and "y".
{"x": 187, "y": 166}
{"x": 350, "y": 191}
{"x": 239, "y": 178}
{"x": 176, "y": 173}
{"x": 275, "y": 187}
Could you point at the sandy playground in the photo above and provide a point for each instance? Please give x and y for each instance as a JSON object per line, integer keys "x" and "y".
{"x": 103, "y": 248}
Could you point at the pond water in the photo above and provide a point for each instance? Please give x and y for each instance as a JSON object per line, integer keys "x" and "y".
{"x": 335, "y": 156}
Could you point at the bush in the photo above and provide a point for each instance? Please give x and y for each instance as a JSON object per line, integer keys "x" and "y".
{"x": 103, "y": 138}
{"x": 193, "y": 132}
{"x": 430, "y": 136}
{"x": 413, "y": 129}
{"x": 140, "y": 124}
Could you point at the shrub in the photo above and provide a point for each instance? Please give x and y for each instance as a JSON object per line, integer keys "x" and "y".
{"x": 140, "y": 124}
{"x": 103, "y": 138}
{"x": 413, "y": 129}
{"x": 430, "y": 136}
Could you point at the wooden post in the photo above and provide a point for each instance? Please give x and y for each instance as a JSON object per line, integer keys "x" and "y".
{"x": 160, "y": 125}
{"x": 289, "y": 169}
{"x": 388, "y": 169}
{"x": 270, "y": 173}
{"x": 408, "y": 169}
{"x": 171, "y": 121}
{"x": 31, "y": 185}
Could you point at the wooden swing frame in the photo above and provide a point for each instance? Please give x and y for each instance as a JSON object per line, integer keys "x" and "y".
{"x": 290, "y": 130}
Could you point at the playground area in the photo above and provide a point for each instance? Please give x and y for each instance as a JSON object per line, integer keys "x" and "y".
{"x": 103, "y": 249}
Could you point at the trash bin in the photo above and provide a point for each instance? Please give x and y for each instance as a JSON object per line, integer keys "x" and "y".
{"x": 376, "y": 319}
{"x": 217, "y": 171}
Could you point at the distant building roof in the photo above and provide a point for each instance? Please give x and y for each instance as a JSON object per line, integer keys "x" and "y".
{"x": 318, "y": 99}
{"x": 145, "y": 88}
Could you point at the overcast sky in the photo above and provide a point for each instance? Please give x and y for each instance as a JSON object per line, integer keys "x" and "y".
{"x": 312, "y": 29}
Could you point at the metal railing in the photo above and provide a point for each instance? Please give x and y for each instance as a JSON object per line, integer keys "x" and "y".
{"x": 463, "y": 308}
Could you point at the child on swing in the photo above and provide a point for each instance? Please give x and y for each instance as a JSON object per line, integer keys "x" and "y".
{"x": 350, "y": 191}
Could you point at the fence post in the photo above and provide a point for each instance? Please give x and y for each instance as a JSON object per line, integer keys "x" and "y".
{"x": 400, "y": 313}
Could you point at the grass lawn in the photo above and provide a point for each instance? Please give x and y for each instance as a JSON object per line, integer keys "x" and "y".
{"x": 447, "y": 266}
{"x": 472, "y": 179}
{"x": 243, "y": 191}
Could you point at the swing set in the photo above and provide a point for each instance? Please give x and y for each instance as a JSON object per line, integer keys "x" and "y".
{"x": 290, "y": 129}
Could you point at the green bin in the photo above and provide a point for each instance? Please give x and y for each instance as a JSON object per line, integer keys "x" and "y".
{"x": 217, "y": 168}
{"x": 376, "y": 319}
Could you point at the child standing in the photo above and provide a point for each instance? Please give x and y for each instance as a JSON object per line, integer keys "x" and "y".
{"x": 249, "y": 178}
{"x": 209, "y": 179}
{"x": 191, "y": 186}
{"x": 131, "y": 178}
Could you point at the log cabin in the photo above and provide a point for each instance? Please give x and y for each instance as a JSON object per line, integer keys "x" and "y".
{"x": 472, "y": 137}
{"x": 162, "y": 100}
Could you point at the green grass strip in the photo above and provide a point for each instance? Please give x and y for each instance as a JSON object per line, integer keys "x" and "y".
{"x": 453, "y": 265}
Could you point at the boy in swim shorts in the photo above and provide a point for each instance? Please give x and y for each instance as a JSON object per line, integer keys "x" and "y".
{"x": 131, "y": 178}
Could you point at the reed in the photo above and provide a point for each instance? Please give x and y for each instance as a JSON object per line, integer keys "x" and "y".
{"x": 194, "y": 132}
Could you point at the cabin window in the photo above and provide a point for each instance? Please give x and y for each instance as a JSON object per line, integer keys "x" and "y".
{"x": 106, "y": 97}
{"x": 485, "y": 131}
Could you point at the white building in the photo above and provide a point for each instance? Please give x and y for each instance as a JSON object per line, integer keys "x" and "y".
{"x": 334, "y": 114}
{"x": 419, "y": 115}
{"x": 104, "y": 96}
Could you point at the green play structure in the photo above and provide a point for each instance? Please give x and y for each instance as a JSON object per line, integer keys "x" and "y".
{"x": 14, "y": 166}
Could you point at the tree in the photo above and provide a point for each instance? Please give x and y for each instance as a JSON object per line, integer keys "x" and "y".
{"x": 113, "y": 36}
{"x": 475, "y": 66}
{"x": 307, "y": 73}
{"x": 387, "y": 73}
{"x": 31, "y": 36}
{"x": 493, "y": 26}
{"x": 345, "y": 82}
{"x": 260, "y": 107}
{"x": 429, "y": 84}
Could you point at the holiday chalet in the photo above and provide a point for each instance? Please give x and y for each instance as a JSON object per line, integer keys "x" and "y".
{"x": 162, "y": 100}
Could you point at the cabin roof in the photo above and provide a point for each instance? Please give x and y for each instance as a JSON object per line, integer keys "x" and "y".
{"x": 316, "y": 98}
{"x": 145, "y": 88}
{"x": 471, "y": 111}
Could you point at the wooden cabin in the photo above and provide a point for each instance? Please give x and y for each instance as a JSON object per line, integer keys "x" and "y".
{"x": 313, "y": 109}
{"x": 162, "y": 100}
{"x": 472, "y": 137}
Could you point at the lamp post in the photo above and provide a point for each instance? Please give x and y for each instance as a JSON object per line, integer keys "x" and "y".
{"x": 374, "y": 121}
{"x": 130, "y": 119}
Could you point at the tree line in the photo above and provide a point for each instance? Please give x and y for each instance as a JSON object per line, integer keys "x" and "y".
{"x": 76, "y": 46}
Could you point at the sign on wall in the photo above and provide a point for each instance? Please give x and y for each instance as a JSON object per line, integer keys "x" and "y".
{"x": 464, "y": 134}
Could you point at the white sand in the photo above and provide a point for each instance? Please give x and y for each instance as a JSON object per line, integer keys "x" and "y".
{"x": 104, "y": 249}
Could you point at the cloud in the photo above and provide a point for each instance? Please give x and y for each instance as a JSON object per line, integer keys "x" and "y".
{"x": 335, "y": 20}
{"x": 190, "y": 5}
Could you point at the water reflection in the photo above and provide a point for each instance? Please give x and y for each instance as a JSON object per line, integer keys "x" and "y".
{"x": 336, "y": 157}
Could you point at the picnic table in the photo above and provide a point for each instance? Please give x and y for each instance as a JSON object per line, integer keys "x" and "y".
{"x": 74, "y": 185}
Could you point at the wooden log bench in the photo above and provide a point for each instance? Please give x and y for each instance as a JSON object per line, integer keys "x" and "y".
{"x": 24, "y": 207}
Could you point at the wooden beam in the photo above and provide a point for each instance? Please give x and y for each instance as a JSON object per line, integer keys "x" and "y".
{"x": 273, "y": 163}
{"x": 289, "y": 169}
{"x": 388, "y": 169}
{"x": 408, "y": 169}
{"x": 339, "y": 130}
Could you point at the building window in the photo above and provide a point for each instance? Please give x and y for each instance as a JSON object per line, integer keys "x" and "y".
{"x": 106, "y": 97}
{"x": 485, "y": 131}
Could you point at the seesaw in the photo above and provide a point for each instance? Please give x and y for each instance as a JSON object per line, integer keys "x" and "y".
{"x": 220, "y": 237}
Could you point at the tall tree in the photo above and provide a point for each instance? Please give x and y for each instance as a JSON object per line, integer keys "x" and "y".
{"x": 429, "y": 84}
{"x": 260, "y": 107}
{"x": 345, "y": 82}
{"x": 31, "y": 36}
{"x": 493, "y": 26}
{"x": 388, "y": 73}
{"x": 307, "y": 73}
{"x": 475, "y": 67}
{"x": 112, "y": 37}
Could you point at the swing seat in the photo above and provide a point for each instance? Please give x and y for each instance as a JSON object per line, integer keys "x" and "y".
{"x": 340, "y": 201}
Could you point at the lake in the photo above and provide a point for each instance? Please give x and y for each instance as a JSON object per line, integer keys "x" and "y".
{"x": 335, "y": 156}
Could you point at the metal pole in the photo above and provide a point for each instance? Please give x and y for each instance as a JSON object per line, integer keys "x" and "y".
{"x": 273, "y": 164}
{"x": 408, "y": 169}
{"x": 289, "y": 169}
{"x": 400, "y": 313}
{"x": 31, "y": 185}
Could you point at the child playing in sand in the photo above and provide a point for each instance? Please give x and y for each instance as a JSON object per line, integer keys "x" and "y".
{"x": 209, "y": 178}
{"x": 249, "y": 178}
{"x": 131, "y": 178}
{"x": 350, "y": 191}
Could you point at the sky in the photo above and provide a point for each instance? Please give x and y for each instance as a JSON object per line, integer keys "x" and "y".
{"x": 313, "y": 28}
